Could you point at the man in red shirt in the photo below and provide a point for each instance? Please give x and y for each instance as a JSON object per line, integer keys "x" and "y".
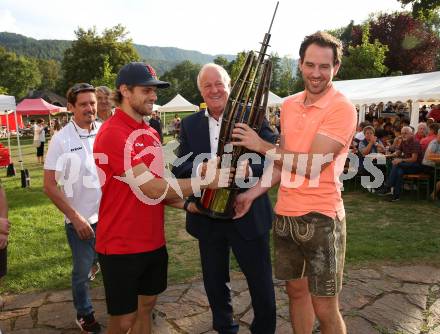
{"x": 408, "y": 160}
{"x": 130, "y": 240}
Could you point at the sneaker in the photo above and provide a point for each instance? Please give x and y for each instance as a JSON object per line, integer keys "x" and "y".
{"x": 96, "y": 268}
{"x": 88, "y": 324}
{"x": 384, "y": 192}
{"x": 395, "y": 199}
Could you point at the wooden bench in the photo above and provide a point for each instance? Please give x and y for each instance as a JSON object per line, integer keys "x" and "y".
{"x": 418, "y": 180}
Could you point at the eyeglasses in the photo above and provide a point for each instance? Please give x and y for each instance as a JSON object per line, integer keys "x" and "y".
{"x": 82, "y": 87}
{"x": 84, "y": 136}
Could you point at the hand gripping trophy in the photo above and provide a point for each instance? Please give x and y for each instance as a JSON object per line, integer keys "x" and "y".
{"x": 246, "y": 104}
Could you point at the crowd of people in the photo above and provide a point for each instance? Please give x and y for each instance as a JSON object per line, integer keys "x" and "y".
{"x": 408, "y": 150}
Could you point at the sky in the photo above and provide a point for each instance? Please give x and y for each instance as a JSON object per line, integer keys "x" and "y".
{"x": 213, "y": 27}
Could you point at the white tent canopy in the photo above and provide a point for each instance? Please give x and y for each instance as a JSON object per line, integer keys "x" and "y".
{"x": 414, "y": 88}
{"x": 7, "y": 105}
{"x": 178, "y": 104}
{"x": 274, "y": 100}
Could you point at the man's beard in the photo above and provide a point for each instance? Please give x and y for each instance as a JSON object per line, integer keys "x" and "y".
{"x": 141, "y": 109}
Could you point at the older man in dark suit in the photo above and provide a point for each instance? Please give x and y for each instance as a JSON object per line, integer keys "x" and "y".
{"x": 248, "y": 237}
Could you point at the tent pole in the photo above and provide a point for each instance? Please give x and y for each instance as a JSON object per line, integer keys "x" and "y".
{"x": 8, "y": 133}
{"x": 414, "y": 113}
{"x": 164, "y": 127}
{"x": 20, "y": 156}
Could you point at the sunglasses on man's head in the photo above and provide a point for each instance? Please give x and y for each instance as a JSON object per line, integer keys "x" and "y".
{"x": 82, "y": 87}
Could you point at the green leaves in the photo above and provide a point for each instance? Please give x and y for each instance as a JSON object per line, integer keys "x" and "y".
{"x": 365, "y": 60}
{"x": 97, "y": 58}
{"x": 108, "y": 78}
{"x": 183, "y": 80}
{"x": 422, "y": 9}
{"x": 18, "y": 74}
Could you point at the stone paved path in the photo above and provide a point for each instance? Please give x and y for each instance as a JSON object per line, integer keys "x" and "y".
{"x": 396, "y": 300}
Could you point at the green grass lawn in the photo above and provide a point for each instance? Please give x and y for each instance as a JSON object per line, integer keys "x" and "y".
{"x": 39, "y": 258}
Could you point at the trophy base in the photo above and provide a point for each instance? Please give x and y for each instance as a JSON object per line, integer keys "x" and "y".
{"x": 218, "y": 203}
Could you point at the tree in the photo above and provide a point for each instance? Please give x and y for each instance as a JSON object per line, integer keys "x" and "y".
{"x": 236, "y": 66}
{"x": 286, "y": 81}
{"x": 276, "y": 73}
{"x": 108, "y": 78}
{"x": 19, "y": 74}
{"x": 412, "y": 46}
{"x": 365, "y": 60}
{"x": 223, "y": 62}
{"x": 298, "y": 84}
{"x": 183, "y": 80}
{"x": 344, "y": 34}
{"x": 3, "y": 90}
{"x": 50, "y": 73}
{"x": 84, "y": 61}
{"x": 422, "y": 8}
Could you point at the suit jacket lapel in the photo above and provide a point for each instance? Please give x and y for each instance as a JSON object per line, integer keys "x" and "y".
{"x": 203, "y": 135}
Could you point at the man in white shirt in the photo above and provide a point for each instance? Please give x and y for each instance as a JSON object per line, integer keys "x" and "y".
{"x": 70, "y": 164}
{"x": 248, "y": 237}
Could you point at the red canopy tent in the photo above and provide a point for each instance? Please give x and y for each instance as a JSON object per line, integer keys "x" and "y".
{"x": 37, "y": 107}
{"x": 10, "y": 122}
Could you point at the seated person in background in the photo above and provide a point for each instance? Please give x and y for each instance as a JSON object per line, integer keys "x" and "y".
{"x": 435, "y": 113}
{"x": 408, "y": 161}
{"x": 384, "y": 137}
{"x": 422, "y": 131}
{"x": 360, "y": 132}
{"x": 381, "y": 122}
{"x": 370, "y": 144}
{"x": 432, "y": 135}
{"x": 376, "y": 124}
{"x": 404, "y": 122}
{"x": 430, "y": 121}
{"x": 433, "y": 152}
{"x": 397, "y": 139}
{"x": 388, "y": 128}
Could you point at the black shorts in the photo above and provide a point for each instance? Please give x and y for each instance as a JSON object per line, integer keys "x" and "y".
{"x": 3, "y": 261}
{"x": 126, "y": 276}
{"x": 40, "y": 149}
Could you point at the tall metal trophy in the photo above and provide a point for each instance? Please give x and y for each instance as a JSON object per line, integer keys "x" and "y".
{"x": 246, "y": 104}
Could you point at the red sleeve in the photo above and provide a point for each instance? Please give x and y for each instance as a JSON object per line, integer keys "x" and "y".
{"x": 340, "y": 123}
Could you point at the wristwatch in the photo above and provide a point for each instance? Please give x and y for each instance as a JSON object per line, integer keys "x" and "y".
{"x": 186, "y": 204}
